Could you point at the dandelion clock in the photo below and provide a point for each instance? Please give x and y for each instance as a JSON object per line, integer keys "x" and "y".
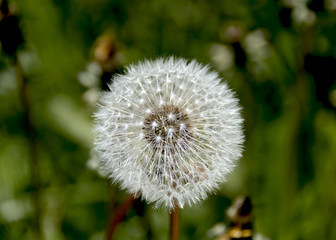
{"x": 169, "y": 131}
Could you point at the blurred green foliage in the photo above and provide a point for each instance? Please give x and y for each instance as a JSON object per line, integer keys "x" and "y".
{"x": 280, "y": 57}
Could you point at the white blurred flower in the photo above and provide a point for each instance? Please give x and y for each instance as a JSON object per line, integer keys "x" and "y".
{"x": 221, "y": 56}
{"x": 302, "y": 15}
{"x": 168, "y": 131}
{"x": 331, "y": 5}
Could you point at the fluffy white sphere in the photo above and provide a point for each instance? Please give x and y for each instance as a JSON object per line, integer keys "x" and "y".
{"x": 168, "y": 130}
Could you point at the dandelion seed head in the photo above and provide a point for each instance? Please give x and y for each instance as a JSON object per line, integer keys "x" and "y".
{"x": 168, "y": 130}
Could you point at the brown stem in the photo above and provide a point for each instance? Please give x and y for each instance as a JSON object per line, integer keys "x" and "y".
{"x": 175, "y": 224}
{"x": 119, "y": 215}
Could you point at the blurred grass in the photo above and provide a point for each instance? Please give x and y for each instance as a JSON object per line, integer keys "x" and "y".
{"x": 280, "y": 57}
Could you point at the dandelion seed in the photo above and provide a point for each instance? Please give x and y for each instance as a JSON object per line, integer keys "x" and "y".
{"x": 169, "y": 131}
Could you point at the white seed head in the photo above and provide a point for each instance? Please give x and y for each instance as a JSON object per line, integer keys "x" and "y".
{"x": 169, "y": 131}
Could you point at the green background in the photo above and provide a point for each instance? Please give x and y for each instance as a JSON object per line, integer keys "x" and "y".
{"x": 280, "y": 58}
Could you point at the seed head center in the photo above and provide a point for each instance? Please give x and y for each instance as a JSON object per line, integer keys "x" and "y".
{"x": 167, "y": 129}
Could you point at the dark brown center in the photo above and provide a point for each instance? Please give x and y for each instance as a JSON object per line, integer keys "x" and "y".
{"x": 167, "y": 129}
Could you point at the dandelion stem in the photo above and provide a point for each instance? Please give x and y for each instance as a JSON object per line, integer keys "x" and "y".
{"x": 175, "y": 224}
{"x": 119, "y": 215}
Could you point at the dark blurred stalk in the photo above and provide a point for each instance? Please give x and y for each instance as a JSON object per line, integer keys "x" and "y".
{"x": 303, "y": 123}
{"x": 118, "y": 215}
{"x": 11, "y": 39}
{"x": 174, "y": 233}
{"x": 32, "y": 143}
